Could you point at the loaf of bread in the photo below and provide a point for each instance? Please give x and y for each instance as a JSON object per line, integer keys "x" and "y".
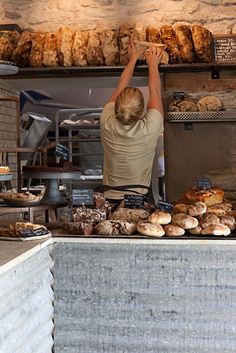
{"x": 169, "y": 38}
{"x": 209, "y": 103}
{"x": 150, "y": 229}
{"x": 88, "y": 215}
{"x": 130, "y": 215}
{"x": 185, "y": 221}
{"x": 185, "y": 42}
{"x": 203, "y": 43}
{"x": 172, "y": 230}
{"x": 64, "y": 46}
{"x": 78, "y": 228}
{"x": 79, "y": 48}
{"x": 110, "y": 227}
{"x": 209, "y": 196}
{"x": 159, "y": 217}
{"x": 50, "y": 55}
{"x": 209, "y": 219}
{"x": 217, "y": 229}
{"x": 37, "y": 48}
{"x": 185, "y": 105}
{"x": 21, "y": 54}
{"x": 228, "y": 221}
{"x": 124, "y": 40}
{"x": 110, "y": 50}
{"x": 94, "y": 49}
{"x": 220, "y": 209}
{"x": 180, "y": 208}
{"x": 197, "y": 209}
{"x": 8, "y": 43}
{"x": 153, "y": 35}
{"x": 195, "y": 231}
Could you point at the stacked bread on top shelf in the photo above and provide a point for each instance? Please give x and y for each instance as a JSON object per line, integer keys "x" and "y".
{"x": 69, "y": 47}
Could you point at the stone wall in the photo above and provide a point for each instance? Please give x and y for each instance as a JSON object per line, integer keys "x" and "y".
{"x": 217, "y": 15}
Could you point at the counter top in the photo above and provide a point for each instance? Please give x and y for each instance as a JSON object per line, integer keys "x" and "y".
{"x": 13, "y": 252}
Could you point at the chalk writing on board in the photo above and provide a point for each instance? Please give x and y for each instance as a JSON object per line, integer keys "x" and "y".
{"x": 225, "y": 48}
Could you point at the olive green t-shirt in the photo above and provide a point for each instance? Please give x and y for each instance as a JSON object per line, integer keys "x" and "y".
{"x": 128, "y": 150}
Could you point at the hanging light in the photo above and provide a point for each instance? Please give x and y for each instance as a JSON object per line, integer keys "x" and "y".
{"x": 8, "y": 68}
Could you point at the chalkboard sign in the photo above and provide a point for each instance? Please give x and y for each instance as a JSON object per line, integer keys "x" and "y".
{"x": 178, "y": 96}
{"x": 34, "y": 234}
{"x": 165, "y": 206}
{"x": 203, "y": 183}
{"x": 134, "y": 201}
{"x": 225, "y": 48}
{"x": 82, "y": 197}
{"x": 62, "y": 151}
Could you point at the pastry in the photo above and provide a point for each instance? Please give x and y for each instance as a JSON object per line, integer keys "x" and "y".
{"x": 4, "y": 169}
{"x": 185, "y": 221}
{"x": 209, "y": 103}
{"x": 150, "y": 229}
{"x": 173, "y": 230}
{"x": 159, "y": 217}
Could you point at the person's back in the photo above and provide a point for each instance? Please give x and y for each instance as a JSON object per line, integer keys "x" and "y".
{"x": 129, "y": 137}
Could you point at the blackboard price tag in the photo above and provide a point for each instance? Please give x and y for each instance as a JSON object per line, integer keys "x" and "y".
{"x": 62, "y": 151}
{"x": 177, "y": 96}
{"x": 165, "y": 206}
{"x": 134, "y": 201}
{"x": 82, "y": 197}
{"x": 225, "y": 48}
{"x": 203, "y": 183}
{"x": 31, "y": 234}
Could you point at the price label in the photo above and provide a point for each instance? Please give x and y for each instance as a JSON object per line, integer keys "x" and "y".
{"x": 29, "y": 233}
{"x": 62, "y": 151}
{"x": 134, "y": 201}
{"x": 225, "y": 48}
{"x": 165, "y": 206}
{"x": 177, "y": 96}
{"x": 203, "y": 183}
{"x": 82, "y": 197}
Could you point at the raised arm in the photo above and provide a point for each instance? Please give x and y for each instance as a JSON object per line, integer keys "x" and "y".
{"x": 153, "y": 57}
{"x": 127, "y": 73}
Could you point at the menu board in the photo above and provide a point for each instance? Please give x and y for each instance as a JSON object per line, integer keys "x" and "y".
{"x": 134, "y": 201}
{"x": 225, "y": 48}
{"x": 82, "y": 197}
{"x": 62, "y": 151}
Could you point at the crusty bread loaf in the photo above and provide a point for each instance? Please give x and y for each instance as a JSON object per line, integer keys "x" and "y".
{"x": 8, "y": 43}
{"x": 195, "y": 231}
{"x": 150, "y": 229}
{"x": 209, "y": 103}
{"x": 168, "y": 37}
{"x": 37, "y": 48}
{"x": 220, "y": 209}
{"x": 185, "y": 221}
{"x": 159, "y": 217}
{"x": 153, "y": 35}
{"x": 79, "y": 48}
{"x": 183, "y": 106}
{"x": 185, "y": 42}
{"x": 203, "y": 43}
{"x": 79, "y": 228}
{"x": 173, "y": 230}
{"x": 130, "y": 215}
{"x": 110, "y": 50}
{"x": 110, "y": 227}
{"x": 209, "y": 196}
{"x": 124, "y": 40}
{"x": 50, "y": 56}
{"x": 94, "y": 49}
{"x": 64, "y": 46}
{"x": 209, "y": 219}
{"x": 21, "y": 54}
{"x": 197, "y": 209}
{"x": 217, "y": 229}
{"x": 228, "y": 221}
{"x": 180, "y": 208}
{"x": 88, "y": 215}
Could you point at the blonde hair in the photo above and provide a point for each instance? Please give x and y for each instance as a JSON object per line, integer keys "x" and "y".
{"x": 129, "y": 105}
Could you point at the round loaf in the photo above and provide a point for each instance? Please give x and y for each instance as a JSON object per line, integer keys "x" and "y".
{"x": 159, "y": 217}
{"x": 209, "y": 103}
{"x": 172, "y": 230}
{"x": 185, "y": 221}
{"x": 209, "y": 197}
{"x": 195, "y": 231}
{"x": 180, "y": 208}
{"x": 217, "y": 229}
{"x": 197, "y": 209}
{"x": 150, "y": 229}
{"x": 209, "y": 219}
{"x": 220, "y": 209}
{"x": 228, "y": 221}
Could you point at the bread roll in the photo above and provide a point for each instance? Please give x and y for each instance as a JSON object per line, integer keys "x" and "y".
{"x": 195, "y": 231}
{"x": 203, "y": 43}
{"x": 21, "y": 54}
{"x": 8, "y": 43}
{"x": 185, "y": 221}
{"x": 217, "y": 229}
{"x": 209, "y": 103}
{"x": 228, "y": 221}
{"x": 159, "y": 217}
{"x": 109, "y": 40}
{"x": 209, "y": 219}
{"x": 186, "y": 46}
{"x": 172, "y": 230}
{"x": 220, "y": 209}
{"x": 50, "y": 56}
{"x": 64, "y": 46}
{"x": 168, "y": 37}
{"x": 180, "y": 208}
{"x": 79, "y": 48}
{"x": 94, "y": 49}
{"x": 197, "y": 209}
{"x": 150, "y": 229}
{"x": 36, "y": 53}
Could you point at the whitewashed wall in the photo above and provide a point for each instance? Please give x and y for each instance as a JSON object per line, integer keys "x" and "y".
{"x": 217, "y": 15}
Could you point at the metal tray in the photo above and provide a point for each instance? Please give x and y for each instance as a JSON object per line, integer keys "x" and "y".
{"x": 21, "y": 203}
{"x": 222, "y": 115}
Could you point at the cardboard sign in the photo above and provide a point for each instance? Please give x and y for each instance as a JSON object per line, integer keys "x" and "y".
{"x": 62, "y": 151}
{"x": 225, "y": 48}
{"x": 134, "y": 201}
{"x": 82, "y": 197}
{"x": 178, "y": 96}
{"x": 165, "y": 206}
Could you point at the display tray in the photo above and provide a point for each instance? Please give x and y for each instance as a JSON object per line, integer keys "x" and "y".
{"x": 21, "y": 203}
{"x": 222, "y": 115}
